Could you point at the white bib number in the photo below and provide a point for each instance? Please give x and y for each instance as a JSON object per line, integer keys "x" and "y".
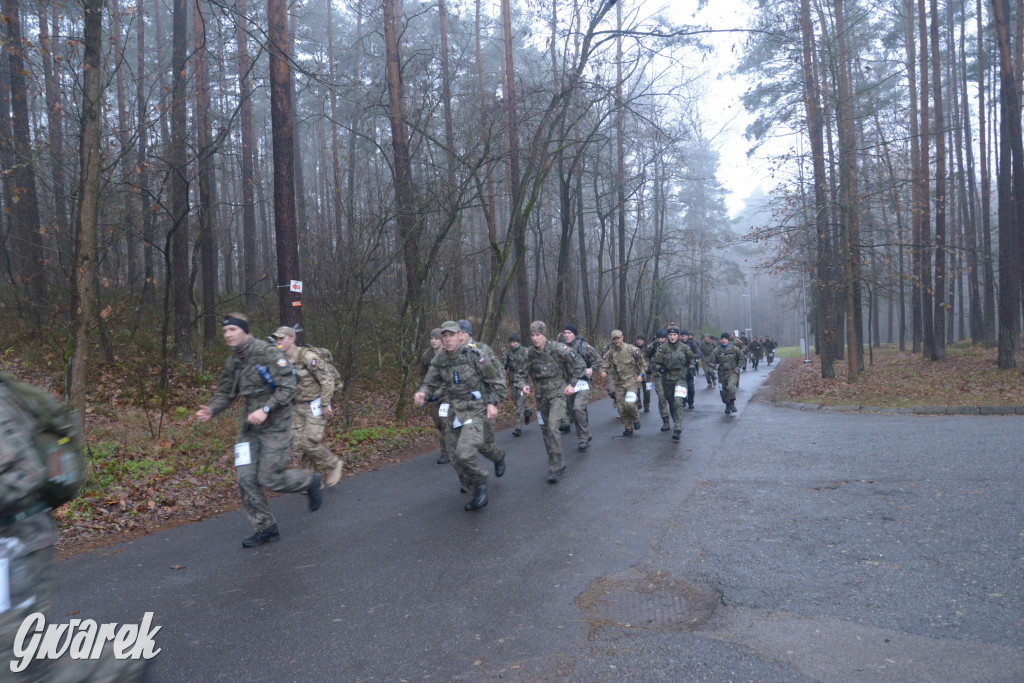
{"x": 5, "y": 585}
{"x": 540, "y": 419}
{"x": 456, "y": 423}
{"x": 314, "y": 407}
{"x": 582, "y": 385}
{"x": 242, "y": 454}
{"x": 630, "y": 397}
{"x": 442, "y": 410}
{"x": 650, "y": 386}
{"x": 680, "y": 391}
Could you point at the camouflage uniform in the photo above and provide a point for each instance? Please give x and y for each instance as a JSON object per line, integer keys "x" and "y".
{"x": 551, "y": 368}
{"x": 470, "y": 381}
{"x": 674, "y": 362}
{"x": 487, "y": 448}
{"x": 27, "y": 536}
{"x": 268, "y": 442}
{"x": 576, "y": 405}
{"x": 314, "y": 382}
{"x": 728, "y": 359}
{"x": 755, "y": 351}
{"x": 649, "y": 352}
{"x": 707, "y": 360}
{"x": 516, "y": 361}
{"x": 645, "y": 394}
{"x": 769, "y": 349}
{"x": 440, "y": 423}
{"x": 624, "y": 364}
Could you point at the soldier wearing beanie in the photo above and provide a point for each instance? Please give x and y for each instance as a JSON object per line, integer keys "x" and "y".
{"x": 435, "y": 402}
{"x": 516, "y": 361}
{"x": 576, "y": 405}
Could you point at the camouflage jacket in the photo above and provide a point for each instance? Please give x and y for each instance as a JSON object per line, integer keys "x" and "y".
{"x": 624, "y": 364}
{"x": 555, "y": 363}
{"x": 467, "y": 377}
{"x": 728, "y": 358}
{"x": 243, "y": 376}
{"x": 516, "y": 362}
{"x": 591, "y": 358}
{"x": 707, "y": 350}
{"x": 313, "y": 379}
{"x": 673, "y": 360}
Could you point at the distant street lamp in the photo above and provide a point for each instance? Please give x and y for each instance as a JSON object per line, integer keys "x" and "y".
{"x": 750, "y": 314}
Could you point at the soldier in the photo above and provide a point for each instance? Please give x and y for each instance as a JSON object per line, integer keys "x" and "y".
{"x": 576, "y": 403}
{"x": 727, "y": 360}
{"x": 691, "y": 372}
{"x": 707, "y": 358}
{"x": 440, "y": 423}
{"x": 663, "y": 403}
{"x": 555, "y": 370}
{"x": 314, "y": 389}
{"x": 27, "y": 558}
{"x": 674, "y": 360}
{"x": 769, "y": 349}
{"x": 516, "y": 360}
{"x": 645, "y": 390}
{"x": 473, "y": 385}
{"x": 626, "y": 366}
{"x": 259, "y": 371}
{"x": 487, "y": 449}
{"x": 756, "y": 351}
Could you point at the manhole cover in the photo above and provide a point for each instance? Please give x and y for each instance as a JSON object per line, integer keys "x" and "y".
{"x": 648, "y": 601}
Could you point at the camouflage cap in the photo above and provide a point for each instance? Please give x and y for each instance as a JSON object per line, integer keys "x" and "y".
{"x": 450, "y": 326}
{"x": 538, "y": 327}
{"x": 465, "y": 326}
{"x": 616, "y": 334}
{"x": 435, "y": 333}
{"x": 283, "y": 331}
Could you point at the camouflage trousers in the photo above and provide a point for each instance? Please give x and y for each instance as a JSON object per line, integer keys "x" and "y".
{"x": 551, "y": 408}
{"x": 709, "y": 371}
{"x": 730, "y": 380}
{"x": 441, "y": 424}
{"x": 522, "y": 407}
{"x": 464, "y": 442}
{"x": 307, "y": 439}
{"x": 629, "y": 413}
{"x": 677, "y": 403}
{"x": 268, "y": 470}
{"x": 644, "y": 395}
{"x": 691, "y": 389}
{"x": 32, "y": 573}
{"x": 576, "y": 411}
{"x": 485, "y": 446}
{"x": 662, "y": 401}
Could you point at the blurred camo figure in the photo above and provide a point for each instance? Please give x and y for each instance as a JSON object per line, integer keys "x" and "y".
{"x": 624, "y": 366}
{"x": 259, "y": 372}
{"x": 516, "y": 361}
{"x": 576, "y": 404}
{"x": 314, "y": 390}
{"x": 707, "y": 359}
{"x": 691, "y": 373}
{"x": 28, "y": 536}
{"x": 645, "y": 393}
{"x": 660, "y": 337}
{"x": 487, "y": 449}
{"x": 441, "y": 424}
{"x": 472, "y": 386}
{"x": 554, "y": 369}
{"x": 674, "y": 361}
{"x": 728, "y": 360}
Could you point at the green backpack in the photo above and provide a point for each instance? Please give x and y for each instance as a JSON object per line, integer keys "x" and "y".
{"x": 57, "y": 441}
{"x": 327, "y": 358}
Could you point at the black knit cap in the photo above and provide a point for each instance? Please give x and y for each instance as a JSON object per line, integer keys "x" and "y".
{"x": 514, "y": 337}
{"x": 573, "y": 329}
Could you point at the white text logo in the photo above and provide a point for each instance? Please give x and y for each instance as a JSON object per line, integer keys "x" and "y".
{"x": 81, "y": 639}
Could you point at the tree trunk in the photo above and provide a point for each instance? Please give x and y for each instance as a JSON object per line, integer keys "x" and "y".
{"x": 207, "y": 240}
{"x": 250, "y": 267}
{"x": 142, "y": 161}
{"x": 939, "y": 334}
{"x": 180, "y": 262}
{"x": 989, "y": 304}
{"x": 620, "y": 167}
{"x": 924, "y": 214}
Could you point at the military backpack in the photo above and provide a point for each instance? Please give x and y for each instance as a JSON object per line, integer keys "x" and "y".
{"x": 56, "y": 439}
{"x": 327, "y": 358}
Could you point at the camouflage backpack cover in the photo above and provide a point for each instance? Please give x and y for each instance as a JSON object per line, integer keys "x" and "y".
{"x": 57, "y": 440}
{"x": 327, "y": 358}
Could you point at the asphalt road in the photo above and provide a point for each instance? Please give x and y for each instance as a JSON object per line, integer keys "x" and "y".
{"x": 775, "y": 545}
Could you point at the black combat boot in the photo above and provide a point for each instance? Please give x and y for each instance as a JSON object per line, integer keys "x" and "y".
{"x": 732, "y": 406}
{"x": 553, "y": 477}
{"x": 260, "y": 537}
{"x": 627, "y": 432}
{"x": 564, "y": 428}
{"x": 479, "y": 498}
{"x": 636, "y": 425}
{"x": 676, "y": 433}
{"x": 499, "y": 468}
{"x": 664, "y": 424}
{"x": 315, "y": 493}
{"x": 728, "y": 408}
{"x": 517, "y": 431}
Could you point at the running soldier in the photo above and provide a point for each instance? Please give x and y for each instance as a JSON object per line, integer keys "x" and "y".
{"x": 626, "y": 366}
{"x": 487, "y": 449}
{"x": 663, "y": 402}
{"x": 440, "y": 423}
{"x": 645, "y": 390}
{"x": 516, "y": 360}
{"x": 674, "y": 360}
{"x": 576, "y": 404}
{"x": 728, "y": 359}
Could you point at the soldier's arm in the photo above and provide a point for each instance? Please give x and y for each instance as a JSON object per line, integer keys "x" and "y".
{"x": 227, "y": 389}
{"x": 323, "y": 376}
{"x": 21, "y": 472}
{"x": 432, "y": 381}
{"x": 284, "y": 378}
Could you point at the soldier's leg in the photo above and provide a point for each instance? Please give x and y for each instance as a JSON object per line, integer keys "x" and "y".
{"x": 566, "y": 420}
{"x": 254, "y": 500}
{"x": 298, "y": 440}
{"x": 487, "y": 447}
{"x": 439, "y": 424}
{"x": 312, "y": 438}
{"x": 691, "y": 388}
{"x": 452, "y": 437}
{"x": 471, "y": 438}
{"x": 552, "y": 439}
{"x": 580, "y": 414}
{"x": 659, "y": 390}
{"x": 632, "y": 409}
{"x": 678, "y": 403}
{"x": 520, "y": 400}
{"x": 645, "y": 394}
{"x": 620, "y": 408}
{"x": 274, "y": 474}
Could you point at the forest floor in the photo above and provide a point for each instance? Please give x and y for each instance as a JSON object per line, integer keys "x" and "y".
{"x": 155, "y": 468}
{"x": 968, "y": 376}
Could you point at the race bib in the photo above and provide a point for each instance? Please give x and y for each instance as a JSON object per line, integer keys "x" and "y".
{"x": 5, "y": 585}
{"x": 540, "y": 420}
{"x": 442, "y": 410}
{"x": 242, "y": 454}
{"x": 680, "y": 391}
{"x": 630, "y": 397}
{"x": 456, "y": 423}
{"x": 582, "y": 385}
{"x": 314, "y": 407}
{"x": 650, "y": 386}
